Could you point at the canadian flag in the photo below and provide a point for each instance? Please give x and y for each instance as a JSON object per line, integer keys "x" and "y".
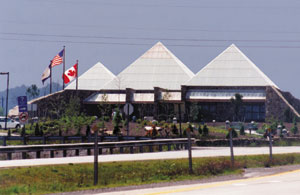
{"x": 70, "y": 74}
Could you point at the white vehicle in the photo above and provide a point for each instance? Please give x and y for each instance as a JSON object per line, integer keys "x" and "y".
{"x": 10, "y": 123}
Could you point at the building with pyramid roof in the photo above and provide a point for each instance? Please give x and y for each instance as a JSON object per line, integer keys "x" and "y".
{"x": 159, "y": 85}
{"x": 230, "y": 73}
{"x": 154, "y": 77}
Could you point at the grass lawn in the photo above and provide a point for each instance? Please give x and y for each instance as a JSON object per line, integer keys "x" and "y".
{"x": 63, "y": 178}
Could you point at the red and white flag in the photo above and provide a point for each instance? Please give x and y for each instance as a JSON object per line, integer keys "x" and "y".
{"x": 70, "y": 74}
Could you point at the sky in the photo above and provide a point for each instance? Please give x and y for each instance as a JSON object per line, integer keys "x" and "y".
{"x": 117, "y": 32}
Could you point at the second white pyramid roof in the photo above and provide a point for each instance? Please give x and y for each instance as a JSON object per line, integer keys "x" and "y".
{"x": 230, "y": 68}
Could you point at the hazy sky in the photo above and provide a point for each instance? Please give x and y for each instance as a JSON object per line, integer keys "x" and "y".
{"x": 116, "y": 32}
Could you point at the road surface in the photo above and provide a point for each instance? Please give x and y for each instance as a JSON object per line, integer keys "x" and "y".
{"x": 197, "y": 152}
{"x": 277, "y": 184}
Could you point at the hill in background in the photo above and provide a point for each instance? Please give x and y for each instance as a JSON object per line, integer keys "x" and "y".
{"x": 21, "y": 91}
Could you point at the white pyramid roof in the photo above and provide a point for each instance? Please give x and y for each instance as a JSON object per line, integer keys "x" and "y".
{"x": 230, "y": 68}
{"x": 158, "y": 67}
{"x": 93, "y": 79}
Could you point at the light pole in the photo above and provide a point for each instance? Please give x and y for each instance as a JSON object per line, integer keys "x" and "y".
{"x": 6, "y": 110}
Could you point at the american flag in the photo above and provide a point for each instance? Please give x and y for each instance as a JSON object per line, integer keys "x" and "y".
{"x": 58, "y": 59}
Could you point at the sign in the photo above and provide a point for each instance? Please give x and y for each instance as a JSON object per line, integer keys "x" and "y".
{"x": 128, "y": 109}
{"x": 22, "y": 103}
{"x": 32, "y": 107}
{"x": 23, "y": 116}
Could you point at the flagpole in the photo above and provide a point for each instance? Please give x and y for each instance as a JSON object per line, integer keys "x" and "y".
{"x": 64, "y": 64}
{"x": 50, "y": 76}
{"x": 77, "y": 75}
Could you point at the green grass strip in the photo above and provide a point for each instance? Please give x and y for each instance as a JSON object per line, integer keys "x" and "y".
{"x": 71, "y": 177}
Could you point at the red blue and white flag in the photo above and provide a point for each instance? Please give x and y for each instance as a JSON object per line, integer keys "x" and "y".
{"x": 70, "y": 74}
{"x": 58, "y": 59}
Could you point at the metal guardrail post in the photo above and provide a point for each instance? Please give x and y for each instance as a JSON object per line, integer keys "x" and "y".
{"x": 131, "y": 150}
{"x": 141, "y": 149}
{"x": 4, "y": 141}
{"x": 51, "y": 154}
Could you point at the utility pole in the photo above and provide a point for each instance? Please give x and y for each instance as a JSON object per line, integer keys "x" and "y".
{"x": 7, "y": 87}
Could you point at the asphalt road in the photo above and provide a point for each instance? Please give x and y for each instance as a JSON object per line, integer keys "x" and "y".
{"x": 276, "y": 184}
{"x": 197, "y": 152}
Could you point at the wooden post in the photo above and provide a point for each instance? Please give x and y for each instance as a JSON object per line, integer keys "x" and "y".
{"x": 179, "y": 110}
{"x": 96, "y": 151}
{"x": 127, "y": 125}
{"x": 190, "y": 151}
{"x": 231, "y": 147}
{"x": 270, "y": 144}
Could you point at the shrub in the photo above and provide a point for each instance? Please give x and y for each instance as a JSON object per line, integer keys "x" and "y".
{"x": 88, "y": 130}
{"x": 200, "y": 130}
{"x": 205, "y": 130}
{"x": 174, "y": 129}
{"x": 106, "y": 118}
{"x": 37, "y": 129}
{"x": 242, "y": 130}
{"x": 139, "y": 121}
{"x": 234, "y": 134}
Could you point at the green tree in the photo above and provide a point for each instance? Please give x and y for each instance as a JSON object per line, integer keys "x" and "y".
{"x": 1, "y": 111}
{"x": 288, "y": 115}
{"x": 32, "y": 91}
{"x": 295, "y": 127}
{"x": 73, "y": 108}
{"x": 104, "y": 107}
{"x": 196, "y": 114}
{"x": 116, "y": 122}
{"x": 237, "y": 104}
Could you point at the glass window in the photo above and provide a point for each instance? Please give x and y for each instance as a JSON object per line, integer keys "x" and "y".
{"x": 255, "y": 116}
{"x": 205, "y": 107}
{"x": 248, "y": 116}
{"x": 256, "y": 108}
{"x": 262, "y": 108}
{"x": 248, "y": 108}
{"x": 212, "y": 108}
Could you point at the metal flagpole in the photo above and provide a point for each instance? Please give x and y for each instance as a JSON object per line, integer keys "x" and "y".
{"x": 64, "y": 65}
{"x": 77, "y": 75}
{"x": 50, "y": 76}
